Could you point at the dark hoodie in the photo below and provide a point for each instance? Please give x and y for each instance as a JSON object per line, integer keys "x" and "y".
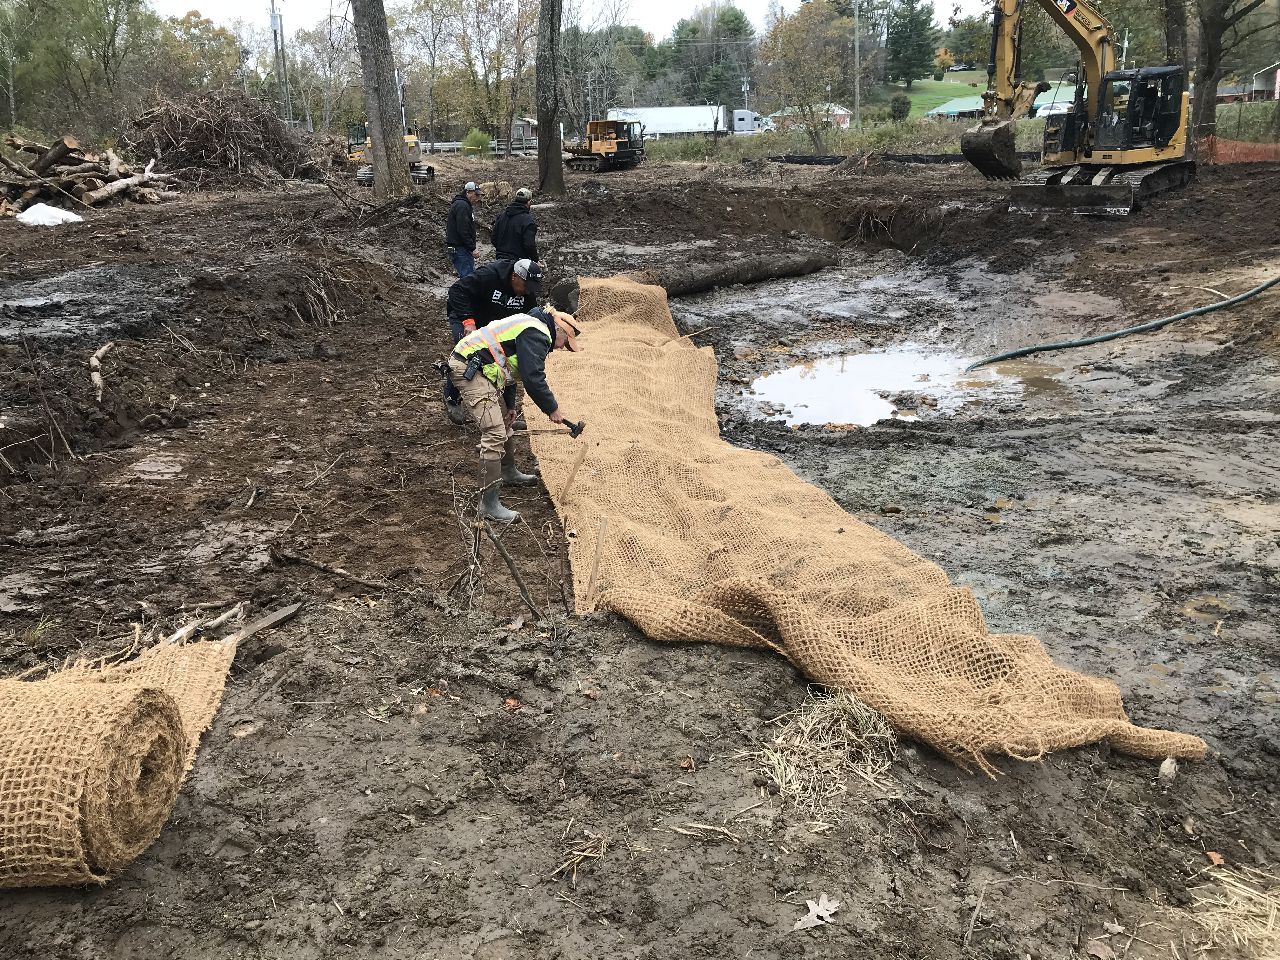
{"x": 460, "y": 231}
{"x": 515, "y": 235}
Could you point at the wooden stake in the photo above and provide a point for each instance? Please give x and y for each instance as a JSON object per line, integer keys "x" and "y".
{"x": 601, "y": 533}
{"x": 573, "y": 472}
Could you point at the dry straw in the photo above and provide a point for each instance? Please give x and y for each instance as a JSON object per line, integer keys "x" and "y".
{"x": 711, "y": 543}
{"x": 829, "y": 743}
{"x": 1242, "y": 910}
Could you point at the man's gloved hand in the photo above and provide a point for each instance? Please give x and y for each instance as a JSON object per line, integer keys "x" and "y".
{"x": 469, "y": 325}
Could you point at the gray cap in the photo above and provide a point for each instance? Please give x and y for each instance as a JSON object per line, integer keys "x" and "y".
{"x": 524, "y": 195}
{"x": 471, "y": 187}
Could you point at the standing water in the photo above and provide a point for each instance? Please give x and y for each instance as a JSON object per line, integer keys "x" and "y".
{"x": 852, "y": 388}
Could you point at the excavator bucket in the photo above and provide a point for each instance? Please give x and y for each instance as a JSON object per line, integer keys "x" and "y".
{"x": 992, "y": 149}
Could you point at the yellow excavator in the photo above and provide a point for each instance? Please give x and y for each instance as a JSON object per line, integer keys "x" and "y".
{"x": 1124, "y": 137}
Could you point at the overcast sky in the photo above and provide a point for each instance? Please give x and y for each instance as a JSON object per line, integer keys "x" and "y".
{"x": 654, "y": 16}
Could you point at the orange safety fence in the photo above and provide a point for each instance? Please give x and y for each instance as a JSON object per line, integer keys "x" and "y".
{"x": 1214, "y": 149}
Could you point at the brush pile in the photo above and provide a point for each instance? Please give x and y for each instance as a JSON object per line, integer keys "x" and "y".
{"x": 63, "y": 174}
{"x": 226, "y": 138}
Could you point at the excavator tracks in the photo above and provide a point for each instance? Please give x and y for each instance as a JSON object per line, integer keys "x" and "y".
{"x": 1097, "y": 190}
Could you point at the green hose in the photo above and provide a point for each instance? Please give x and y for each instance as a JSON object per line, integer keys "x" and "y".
{"x": 1140, "y": 328}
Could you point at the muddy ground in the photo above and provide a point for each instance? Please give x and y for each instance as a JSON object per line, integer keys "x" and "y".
{"x": 399, "y": 772}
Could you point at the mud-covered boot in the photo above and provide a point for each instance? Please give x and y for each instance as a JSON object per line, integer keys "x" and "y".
{"x": 491, "y": 507}
{"x": 510, "y": 472}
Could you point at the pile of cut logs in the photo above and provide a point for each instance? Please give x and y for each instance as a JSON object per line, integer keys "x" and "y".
{"x": 65, "y": 175}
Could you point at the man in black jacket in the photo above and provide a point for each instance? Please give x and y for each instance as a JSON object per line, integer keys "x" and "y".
{"x": 492, "y": 292}
{"x": 515, "y": 235}
{"x": 460, "y": 231}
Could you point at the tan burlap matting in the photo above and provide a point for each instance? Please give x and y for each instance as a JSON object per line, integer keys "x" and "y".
{"x": 91, "y": 759}
{"x": 705, "y": 542}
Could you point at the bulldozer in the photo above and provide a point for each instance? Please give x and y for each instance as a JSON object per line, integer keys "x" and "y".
{"x": 359, "y": 144}
{"x": 608, "y": 145}
{"x": 1123, "y": 139}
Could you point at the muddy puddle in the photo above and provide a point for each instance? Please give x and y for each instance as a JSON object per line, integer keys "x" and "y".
{"x": 905, "y": 383}
{"x": 91, "y": 300}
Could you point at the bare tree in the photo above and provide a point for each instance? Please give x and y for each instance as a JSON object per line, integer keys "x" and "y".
{"x": 382, "y": 100}
{"x": 520, "y": 41}
{"x": 431, "y": 24}
{"x": 550, "y": 149}
{"x": 1223, "y": 28}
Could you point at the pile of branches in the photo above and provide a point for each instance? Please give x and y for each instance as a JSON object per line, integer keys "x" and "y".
{"x": 223, "y": 137}
{"x": 65, "y": 175}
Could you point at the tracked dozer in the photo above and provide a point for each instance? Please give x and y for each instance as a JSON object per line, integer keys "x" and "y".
{"x": 359, "y": 145}
{"x": 1124, "y": 137}
{"x": 608, "y": 145}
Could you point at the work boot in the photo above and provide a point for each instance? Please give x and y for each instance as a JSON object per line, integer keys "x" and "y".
{"x": 510, "y": 473}
{"x": 491, "y": 507}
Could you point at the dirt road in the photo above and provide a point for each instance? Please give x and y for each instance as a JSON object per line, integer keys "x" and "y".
{"x": 404, "y": 772}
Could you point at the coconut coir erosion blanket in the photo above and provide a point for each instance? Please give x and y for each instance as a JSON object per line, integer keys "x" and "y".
{"x": 705, "y": 542}
{"x": 91, "y": 759}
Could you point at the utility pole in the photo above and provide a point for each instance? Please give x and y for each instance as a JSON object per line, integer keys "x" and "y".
{"x": 281, "y": 65}
{"x": 857, "y": 66}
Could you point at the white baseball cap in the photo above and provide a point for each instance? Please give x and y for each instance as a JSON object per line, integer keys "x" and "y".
{"x": 471, "y": 187}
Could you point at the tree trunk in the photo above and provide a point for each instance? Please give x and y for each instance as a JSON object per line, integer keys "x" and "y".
{"x": 1176, "y": 50}
{"x": 382, "y": 100}
{"x": 550, "y": 149}
{"x": 1204, "y": 108}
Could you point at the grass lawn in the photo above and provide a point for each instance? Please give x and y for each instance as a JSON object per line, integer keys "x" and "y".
{"x": 927, "y": 94}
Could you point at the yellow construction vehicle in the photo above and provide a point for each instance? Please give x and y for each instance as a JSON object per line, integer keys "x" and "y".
{"x": 609, "y": 145}
{"x": 359, "y": 144}
{"x": 1124, "y": 138}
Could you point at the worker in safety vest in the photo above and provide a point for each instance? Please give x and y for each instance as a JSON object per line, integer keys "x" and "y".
{"x": 484, "y": 368}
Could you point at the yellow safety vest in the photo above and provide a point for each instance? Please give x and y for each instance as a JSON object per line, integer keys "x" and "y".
{"x": 494, "y": 337}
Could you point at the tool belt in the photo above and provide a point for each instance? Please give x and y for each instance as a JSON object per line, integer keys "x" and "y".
{"x": 474, "y": 362}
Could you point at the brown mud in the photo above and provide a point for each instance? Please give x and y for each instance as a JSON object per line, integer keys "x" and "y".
{"x": 401, "y": 773}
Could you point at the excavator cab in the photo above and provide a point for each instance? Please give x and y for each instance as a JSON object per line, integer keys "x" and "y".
{"x": 1140, "y": 108}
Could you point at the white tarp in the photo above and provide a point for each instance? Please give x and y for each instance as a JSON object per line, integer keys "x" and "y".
{"x": 43, "y": 215}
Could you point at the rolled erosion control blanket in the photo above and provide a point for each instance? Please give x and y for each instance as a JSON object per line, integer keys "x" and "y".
{"x": 88, "y": 775}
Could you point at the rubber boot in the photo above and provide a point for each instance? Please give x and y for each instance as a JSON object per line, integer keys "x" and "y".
{"x": 491, "y": 507}
{"x": 510, "y": 473}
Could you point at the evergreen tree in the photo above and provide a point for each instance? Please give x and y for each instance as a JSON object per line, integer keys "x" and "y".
{"x": 912, "y": 41}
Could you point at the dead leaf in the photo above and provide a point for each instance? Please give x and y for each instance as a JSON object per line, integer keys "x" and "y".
{"x": 819, "y": 913}
{"x": 591, "y": 694}
{"x": 688, "y": 763}
{"x": 515, "y": 624}
{"x": 1113, "y": 928}
{"x": 1215, "y": 857}
{"x": 511, "y": 704}
{"x": 1100, "y": 949}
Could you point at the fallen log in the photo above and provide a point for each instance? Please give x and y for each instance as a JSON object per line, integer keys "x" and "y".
{"x": 25, "y": 146}
{"x": 87, "y": 185}
{"x": 56, "y": 154}
{"x": 119, "y": 186}
{"x": 91, "y": 167}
